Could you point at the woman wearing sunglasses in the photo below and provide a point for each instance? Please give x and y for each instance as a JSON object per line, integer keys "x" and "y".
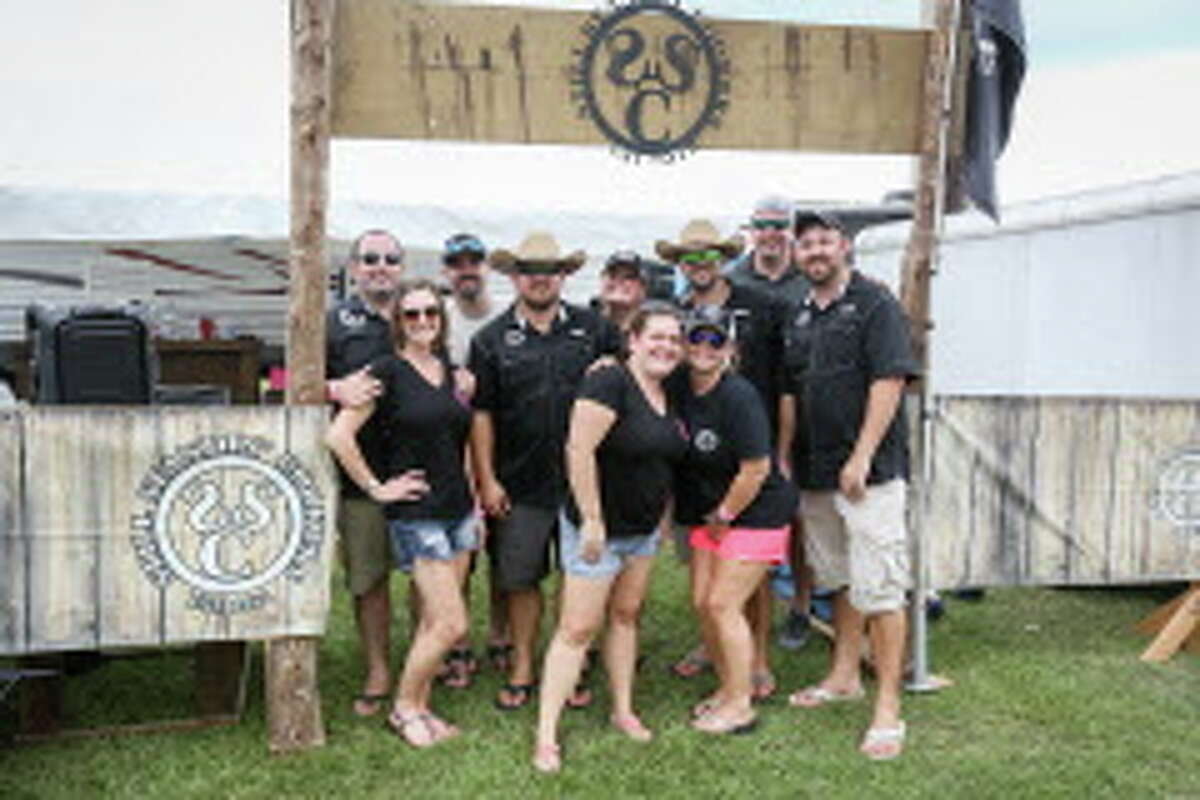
{"x": 736, "y": 505}
{"x": 622, "y": 442}
{"x": 423, "y": 416}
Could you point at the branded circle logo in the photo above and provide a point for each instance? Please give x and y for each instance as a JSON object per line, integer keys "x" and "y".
{"x": 651, "y": 77}
{"x": 227, "y": 520}
{"x": 1176, "y": 494}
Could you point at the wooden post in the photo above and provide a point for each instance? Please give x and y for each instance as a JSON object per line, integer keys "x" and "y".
{"x": 293, "y": 699}
{"x": 931, "y": 173}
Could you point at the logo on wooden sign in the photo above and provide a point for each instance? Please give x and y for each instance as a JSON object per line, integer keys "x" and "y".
{"x": 651, "y": 77}
{"x": 1176, "y": 494}
{"x": 226, "y": 519}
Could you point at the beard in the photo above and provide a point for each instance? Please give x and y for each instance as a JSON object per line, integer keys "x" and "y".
{"x": 468, "y": 288}
{"x": 539, "y": 303}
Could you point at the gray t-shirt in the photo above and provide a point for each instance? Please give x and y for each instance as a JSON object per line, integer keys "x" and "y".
{"x": 462, "y": 328}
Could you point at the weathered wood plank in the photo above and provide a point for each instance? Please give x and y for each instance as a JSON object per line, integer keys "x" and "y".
{"x": 154, "y": 525}
{"x": 13, "y": 543}
{"x": 504, "y": 74}
{"x": 1065, "y": 491}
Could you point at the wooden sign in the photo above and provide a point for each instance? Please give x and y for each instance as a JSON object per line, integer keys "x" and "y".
{"x": 139, "y": 526}
{"x": 647, "y": 76}
{"x": 1064, "y": 491}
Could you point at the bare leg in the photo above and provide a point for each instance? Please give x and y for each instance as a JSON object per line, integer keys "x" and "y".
{"x": 703, "y": 571}
{"x": 844, "y": 676}
{"x": 525, "y": 616}
{"x": 887, "y": 631}
{"x": 373, "y": 613}
{"x": 620, "y": 646}
{"x": 758, "y": 613}
{"x": 802, "y": 576}
{"x": 733, "y": 584}
{"x": 583, "y": 604}
{"x": 443, "y": 621}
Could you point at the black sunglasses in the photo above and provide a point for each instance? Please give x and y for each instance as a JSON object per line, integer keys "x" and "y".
{"x": 371, "y": 259}
{"x": 414, "y": 314}
{"x": 538, "y": 268}
{"x": 770, "y": 224}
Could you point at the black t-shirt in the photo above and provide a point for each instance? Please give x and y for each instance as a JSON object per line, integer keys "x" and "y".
{"x": 758, "y": 320}
{"x": 635, "y": 457}
{"x": 423, "y": 427}
{"x": 832, "y": 357}
{"x": 726, "y": 426}
{"x": 527, "y": 381}
{"x": 354, "y": 337}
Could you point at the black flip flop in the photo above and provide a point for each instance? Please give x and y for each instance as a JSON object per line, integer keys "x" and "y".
{"x": 522, "y": 691}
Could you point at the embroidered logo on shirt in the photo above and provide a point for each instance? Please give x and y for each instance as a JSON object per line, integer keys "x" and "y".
{"x": 514, "y": 337}
{"x": 351, "y": 319}
{"x": 706, "y": 440}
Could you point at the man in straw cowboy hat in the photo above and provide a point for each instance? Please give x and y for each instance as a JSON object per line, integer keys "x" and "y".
{"x": 757, "y": 324}
{"x": 528, "y": 362}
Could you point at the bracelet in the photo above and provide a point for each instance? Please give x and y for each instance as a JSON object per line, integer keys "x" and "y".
{"x": 723, "y": 515}
{"x": 373, "y": 484}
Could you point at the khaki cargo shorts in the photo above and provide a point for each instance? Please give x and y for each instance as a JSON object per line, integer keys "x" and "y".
{"x": 861, "y": 545}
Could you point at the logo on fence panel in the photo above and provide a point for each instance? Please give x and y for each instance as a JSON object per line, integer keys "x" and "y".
{"x": 227, "y": 520}
{"x": 1176, "y": 494}
{"x": 651, "y": 78}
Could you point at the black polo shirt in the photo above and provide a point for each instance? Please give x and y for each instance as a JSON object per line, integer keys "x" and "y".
{"x": 726, "y": 426}
{"x": 791, "y": 287}
{"x": 758, "y": 321}
{"x": 354, "y": 337}
{"x": 634, "y": 459}
{"x": 527, "y": 380}
{"x": 833, "y": 355}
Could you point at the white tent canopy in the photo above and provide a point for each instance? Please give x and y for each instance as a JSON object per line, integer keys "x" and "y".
{"x": 1091, "y": 294}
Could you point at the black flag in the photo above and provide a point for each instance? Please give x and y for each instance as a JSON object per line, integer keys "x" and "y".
{"x": 997, "y": 69}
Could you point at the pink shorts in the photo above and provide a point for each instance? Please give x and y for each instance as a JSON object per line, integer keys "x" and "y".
{"x": 768, "y": 545}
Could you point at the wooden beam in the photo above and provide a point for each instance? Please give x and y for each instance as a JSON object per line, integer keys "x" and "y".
{"x": 930, "y": 193}
{"x": 293, "y": 698}
{"x": 504, "y": 74}
{"x": 1178, "y": 628}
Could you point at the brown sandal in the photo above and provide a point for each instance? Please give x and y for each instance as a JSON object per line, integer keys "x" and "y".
{"x": 401, "y": 723}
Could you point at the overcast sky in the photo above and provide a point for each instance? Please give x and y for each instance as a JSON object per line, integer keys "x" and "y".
{"x": 182, "y": 96}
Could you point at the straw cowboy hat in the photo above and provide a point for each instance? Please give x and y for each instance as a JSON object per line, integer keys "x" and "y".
{"x": 538, "y": 247}
{"x": 699, "y": 234}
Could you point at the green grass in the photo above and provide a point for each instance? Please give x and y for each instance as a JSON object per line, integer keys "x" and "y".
{"x": 1049, "y": 700}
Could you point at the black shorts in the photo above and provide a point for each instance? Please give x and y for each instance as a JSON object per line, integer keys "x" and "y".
{"x": 519, "y": 546}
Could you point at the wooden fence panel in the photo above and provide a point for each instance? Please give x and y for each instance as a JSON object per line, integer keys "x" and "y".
{"x": 149, "y": 526}
{"x": 1064, "y": 491}
{"x": 13, "y": 549}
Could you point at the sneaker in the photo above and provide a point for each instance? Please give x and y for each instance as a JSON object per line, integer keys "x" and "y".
{"x": 794, "y": 633}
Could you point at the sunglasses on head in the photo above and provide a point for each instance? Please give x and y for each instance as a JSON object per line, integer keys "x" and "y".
{"x": 701, "y": 257}
{"x": 465, "y": 246}
{"x": 414, "y": 314}
{"x": 371, "y": 259}
{"x": 538, "y": 268}
{"x": 770, "y": 224}
{"x": 709, "y": 336}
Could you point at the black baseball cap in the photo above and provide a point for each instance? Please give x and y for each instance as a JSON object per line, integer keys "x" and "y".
{"x": 627, "y": 261}
{"x": 816, "y": 218}
{"x": 463, "y": 244}
{"x": 713, "y": 317}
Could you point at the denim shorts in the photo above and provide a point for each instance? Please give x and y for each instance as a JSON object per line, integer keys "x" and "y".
{"x": 612, "y": 558}
{"x": 433, "y": 539}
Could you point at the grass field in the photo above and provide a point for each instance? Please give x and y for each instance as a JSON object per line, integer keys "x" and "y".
{"x": 1049, "y": 700}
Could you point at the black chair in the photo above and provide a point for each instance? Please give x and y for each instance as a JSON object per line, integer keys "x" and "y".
{"x": 89, "y": 355}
